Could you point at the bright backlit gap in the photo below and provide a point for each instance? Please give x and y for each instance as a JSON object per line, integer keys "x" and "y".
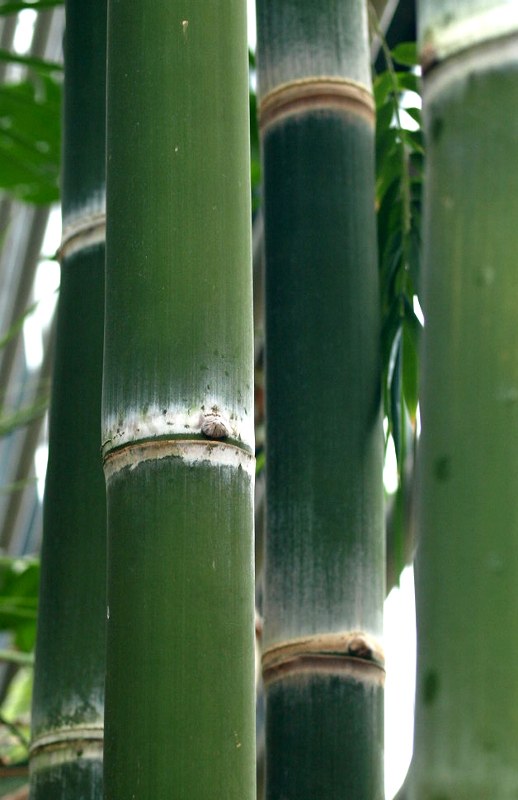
{"x": 400, "y": 655}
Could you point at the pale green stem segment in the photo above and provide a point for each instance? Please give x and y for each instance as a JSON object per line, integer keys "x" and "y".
{"x": 178, "y": 404}
{"x": 466, "y": 735}
{"x": 324, "y": 580}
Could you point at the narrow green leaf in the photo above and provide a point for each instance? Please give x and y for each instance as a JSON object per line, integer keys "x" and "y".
{"x": 410, "y": 374}
{"x": 16, "y": 327}
{"x": 384, "y": 118}
{"x": 39, "y": 64}
{"x": 21, "y": 417}
{"x": 30, "y": 139}
{"x": 382, "y": 87}
{"x": 15, "y": 657}
{"x": 16, "y": 486}
{"x": 416, "y": 114}
{"x": 406, "y": 54}
{"x": 396, "y": 409}
{"x": 391, "y": 263}
{"x": 409, "y": 82}
{"x": 414, "y": 140}
{"x": 390, "y": 333}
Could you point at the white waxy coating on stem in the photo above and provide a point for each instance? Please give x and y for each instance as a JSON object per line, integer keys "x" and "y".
{"x": 489, "y": 56}
{"x": 439, "y": 41}
{"x": 137, "y": 426}
{"x": 191, "y": 453}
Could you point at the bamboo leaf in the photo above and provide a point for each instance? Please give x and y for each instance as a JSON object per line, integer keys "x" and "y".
{"x": 409, "y": 82}
{"x": 39, "y": 64}
{"x": 16, "y": 657}
{"x": 415, "y": 113}
{"x": 414, "y": 139}
{"x": 16, "y": 486}
{"x": 406, "y": 54}
{"x": 396, "y": 406}
{"x": 22, "y": 416}
{"x": 16, "y": 327}
{"x": 381, "y": 88}
{"x": 30, "y": 139}
{"x": 410, "y": 367}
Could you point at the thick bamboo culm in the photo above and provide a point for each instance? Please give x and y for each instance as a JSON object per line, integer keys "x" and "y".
{"x": 178, "y": 437}
{"x": 324, "y": 579}
{"x": 466, "y": 734}
{"x": 67, "y": 715}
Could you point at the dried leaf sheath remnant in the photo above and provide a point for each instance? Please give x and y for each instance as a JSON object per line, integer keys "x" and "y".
{"x": 299, "y": 96}
{"x": 354, "y": 653}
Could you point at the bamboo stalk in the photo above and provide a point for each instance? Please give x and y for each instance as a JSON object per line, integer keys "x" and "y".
{"x": 466, "y": 733}
{"x": 67, "y": 715}
{"x": 177, "y": 400}
{"x": 324, "y": 584}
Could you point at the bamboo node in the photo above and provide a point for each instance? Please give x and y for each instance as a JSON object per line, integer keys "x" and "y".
{"x": 354, "y": 652}
{"x": 188, "y": 451}
{"x": 86, "y": 231}
{"x": 309, "y": 94}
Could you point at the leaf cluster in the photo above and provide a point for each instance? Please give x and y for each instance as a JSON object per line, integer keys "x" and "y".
{"x": 30, "y": 138}
{"x": 19, "y": 586}
{"x": 399, "y": 179}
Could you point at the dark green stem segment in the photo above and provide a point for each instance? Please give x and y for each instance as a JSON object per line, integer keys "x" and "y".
{"x": 466, "y": 734}
{"x": 325, "y": 544}
{"x": 69, "y": 679}
{"x": 178, "y": 404}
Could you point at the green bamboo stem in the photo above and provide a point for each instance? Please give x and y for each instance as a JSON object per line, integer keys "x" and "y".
{"x": 324, "y": 584}
{"x": 466, "y": 734}
{"x": 67, "y": 715}
{"x": 177, "y": 404}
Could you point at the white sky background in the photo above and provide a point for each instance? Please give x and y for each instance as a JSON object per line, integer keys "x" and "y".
{"x": 399, "y": 607}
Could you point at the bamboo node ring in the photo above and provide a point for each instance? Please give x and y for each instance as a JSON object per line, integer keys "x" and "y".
{"x": 84, "y": 232}
{"x": 353, "y": 652}
{"x": 308, "y": 94}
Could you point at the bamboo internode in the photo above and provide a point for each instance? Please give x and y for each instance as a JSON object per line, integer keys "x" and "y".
{"x": 178, "y": 435}
{"x": 66, "y": 756}
{"x": 324, "y": 570}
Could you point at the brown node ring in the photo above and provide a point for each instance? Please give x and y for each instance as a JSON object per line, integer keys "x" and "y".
{"x": 309, "y": 94}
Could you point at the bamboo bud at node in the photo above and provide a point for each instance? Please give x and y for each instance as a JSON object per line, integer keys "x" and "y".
{"x": 214, "y": 426}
